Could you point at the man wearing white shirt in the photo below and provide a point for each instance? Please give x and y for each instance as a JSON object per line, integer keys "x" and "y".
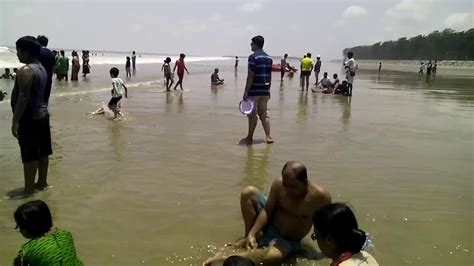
{"x": 283, "y": 65}
{"x": 350, "y": 71}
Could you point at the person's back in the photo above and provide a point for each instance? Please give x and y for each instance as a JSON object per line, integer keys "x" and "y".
{"x": 306, "y": 64}
{"x": 56, "y": 248}
{"x": 317, "y": 66}
{"x": 214, "y": 78}
{"x": 63, "y": 65}
{"x": 261, "y": 65}
{"x": 167, "y": 69}
{"x": 48, "y": 61}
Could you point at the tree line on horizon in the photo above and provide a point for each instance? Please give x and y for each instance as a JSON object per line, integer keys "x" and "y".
{"x": 438, "y": 45}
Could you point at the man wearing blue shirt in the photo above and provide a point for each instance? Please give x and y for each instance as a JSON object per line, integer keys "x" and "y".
{"x": 257, "y": 88}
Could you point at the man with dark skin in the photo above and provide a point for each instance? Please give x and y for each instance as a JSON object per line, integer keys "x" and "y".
{"x": 30, "y": 123}
{"x": 284, "y": 219}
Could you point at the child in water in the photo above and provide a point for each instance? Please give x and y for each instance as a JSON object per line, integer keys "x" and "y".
{"x": 118, "y": 91}
{"x": 168, "y": 74}
{"x": 46, "y": 246}
{"x": 127, "y": 68}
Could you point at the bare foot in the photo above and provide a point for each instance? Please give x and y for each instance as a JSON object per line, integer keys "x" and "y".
{"x": 246, "y": 141}
{"x": 41, "y": 187}
{"x": 270, "y": 140}
{"x": 19, "y": 194}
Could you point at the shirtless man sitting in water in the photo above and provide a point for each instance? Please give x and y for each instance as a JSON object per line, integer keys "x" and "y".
{"x": 284, "y": 219}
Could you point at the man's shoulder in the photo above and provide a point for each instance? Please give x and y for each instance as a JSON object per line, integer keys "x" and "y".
{"x": 318, "y": 193}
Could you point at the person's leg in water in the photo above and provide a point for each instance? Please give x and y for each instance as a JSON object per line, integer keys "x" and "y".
{"x": 316, "y": 75}
{"x": 350, "y": 88}
{"x": 282, "y": 74}
{"x": 114, "y": 109}
{"x": 29, "y": 172}
{"x": 42, "y": 173}
{"x": 263, "y": 115}
{"x": 307, "y": 82}
{"x": 99, "y": 111}
{"x": 180, "y": 80}
{"x": 252, "y": 125}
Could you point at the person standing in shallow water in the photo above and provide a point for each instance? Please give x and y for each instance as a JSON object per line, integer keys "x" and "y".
{"x": 257, "y": 89}
{"x": 76, "y": 66}
{"x": 128, "y": 73}
{"x": 317, "y": 68}
{"x": 48, "y": 61}
{"x": 350, "y": 67}
{"x": 134, "y": 61}
{"x": 380, "y": 66}
{"x": 30, "y": 122}
{"x": 180, "y": 65}
{"x": 236, "y": 62}
{"x": 63, "y": 66}
{"x": 85, "y": 64}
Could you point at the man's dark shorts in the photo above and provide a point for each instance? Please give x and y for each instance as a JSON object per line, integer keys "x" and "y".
{"x": 34, "y": 137}
{"x": 306, "y": 73}
{"x": 114, "y": 101}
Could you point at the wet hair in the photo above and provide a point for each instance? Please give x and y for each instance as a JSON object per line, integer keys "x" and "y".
{"x": 338, "y": 221}
{"x": 334, "y": 76}
{"x": 128, "y": 58}
{"x": 43, "y": 40}
{"x": 325, "y": 74}
{"x": 238, "y": 261}
{"x": 133, "y": 52}
{"x": 114, "y": 72}
{"x": 7, "y": 70}
{"x": 351, "y": 54}
{"x": 286, "y": 55}
{"x": 308, "y": 55}
{"x": 168, "y": 60}
{"x": 258, "y": 41}
{"x": 298, "y": 169}
{"x": 74, "y": 53}
{"x": 344, "y": 82}
{"x": 236, "y": 57}
{"x": 182, "y": 55}
{"x": 61, "y": 52}
{"x": 216, "y": 69}
{"x": 29, "y": 44}
{"x": 34, "y": 218}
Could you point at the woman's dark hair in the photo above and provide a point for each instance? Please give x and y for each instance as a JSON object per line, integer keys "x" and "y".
{"x": 74, "y": 53}
{"x": 338, "y": 221}
{"x": 114, "y": 72}
{"x": 29, "y": 44}
{"x": 34, "y": 218}
{"x": 258, "y": 40}
{"x": 238, "y": 261}
{"x": 334, "y": 76}
{"x": 43, "y": 40}
{"x": 61, "y": 52}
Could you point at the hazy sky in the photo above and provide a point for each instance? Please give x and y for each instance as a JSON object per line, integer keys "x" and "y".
{"x": 224, "y": 27}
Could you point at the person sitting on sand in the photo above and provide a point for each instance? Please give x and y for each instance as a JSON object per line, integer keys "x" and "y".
{"x": 330, "y": 89}
{"x": 342, "y": 89}
{"x": 284, "y": 219}
{"x": 46, "y": 246}
{"x": 339, "y": 236}
{"x": 7, "y": 74}
{"x": 215, "y": 80}
{"x": 118, "y": 90}
{"x": 324, "y": 83}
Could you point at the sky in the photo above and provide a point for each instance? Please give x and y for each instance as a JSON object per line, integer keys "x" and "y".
{"x": 225, "y": 27}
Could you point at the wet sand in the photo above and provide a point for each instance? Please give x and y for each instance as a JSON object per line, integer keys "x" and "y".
{"x": 163, "y": 185}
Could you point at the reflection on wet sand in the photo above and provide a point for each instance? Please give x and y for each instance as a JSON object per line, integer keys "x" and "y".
{"x": 302, "y": 107}
{"x": 256, "y": 166}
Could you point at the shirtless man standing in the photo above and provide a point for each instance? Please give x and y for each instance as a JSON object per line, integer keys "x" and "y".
{"x": 284, "y": 219}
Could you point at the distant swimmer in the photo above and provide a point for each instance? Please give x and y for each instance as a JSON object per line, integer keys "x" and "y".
{"x": 168, "y": 74}
{"x": 306, "y": 68}
{"x": 317, "y": 68}
{"x": 180, "y": 65}
{"x": 128, "y": 73}
{"x": 236, "y": 62}
{"x": 118, "y": 91}
{"x": 280, "y": 221}
{"x": 215, "y": 80}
